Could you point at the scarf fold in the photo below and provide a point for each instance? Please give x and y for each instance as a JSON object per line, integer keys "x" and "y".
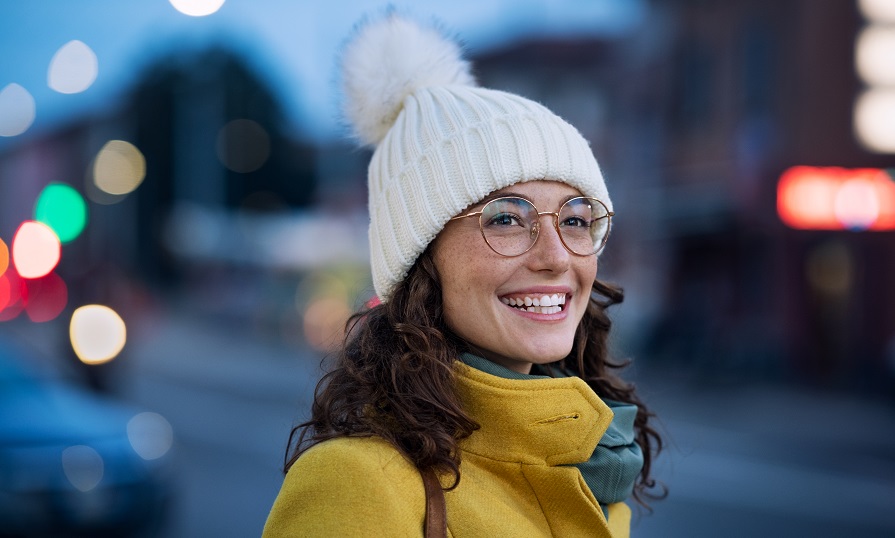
{"x": 613, "y": 467}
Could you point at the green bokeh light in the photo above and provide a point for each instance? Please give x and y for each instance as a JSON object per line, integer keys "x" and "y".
{"x": 63, "y": 209}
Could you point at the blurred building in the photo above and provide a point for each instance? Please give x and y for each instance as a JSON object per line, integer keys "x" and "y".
{"x": 694, "y": 118}
{"x": 754, "y": 88}
{"x": 217, "y": 140}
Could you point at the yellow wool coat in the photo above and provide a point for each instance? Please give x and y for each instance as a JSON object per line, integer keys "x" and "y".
{"x": 516, "y": 472}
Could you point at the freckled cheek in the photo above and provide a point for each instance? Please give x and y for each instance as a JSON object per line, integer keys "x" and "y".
{"x": 588, "y": 271}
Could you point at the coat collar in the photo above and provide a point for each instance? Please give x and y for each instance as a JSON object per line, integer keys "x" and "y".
{"x": 533, "y": 421}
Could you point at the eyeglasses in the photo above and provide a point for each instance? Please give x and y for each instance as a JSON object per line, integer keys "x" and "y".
{"x": 510, "y": 225}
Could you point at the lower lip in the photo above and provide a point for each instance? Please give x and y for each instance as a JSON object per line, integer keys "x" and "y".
{"x": 559, "y": 316}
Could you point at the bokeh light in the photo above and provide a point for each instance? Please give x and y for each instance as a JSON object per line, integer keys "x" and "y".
{"x": 882, "y": 11}
{"x": 46, "y": 298}
{"x": 150, "y": 435}
{"x": 875, "y": 55}
{"x": 119, "y": 168}
{"x": 321, "y": 284}
{"x": 4, "y": 292}
{"x": 35, "y": 249}
{"x": 63, "y": 209}
{"x": 13, "y": 295}
{"x": 805, "y": 199}
{"x": 875, "y": 120}
{"x": 4, "y": 257}
{"x": 97, "y": 333}
{"x": 83, "y": 466}
{"x": 832, "y": 198}
{"x": 94, "y": 193}
{"x": 829, "y": 269}
{"x": 197, "y": 8}
{"x": 324, "y": 322}
{"x": 243, "y": 145}
{"x": 73, "y": 68}
{"x": 856, "y": 204}
{"x": 17, "y": 110}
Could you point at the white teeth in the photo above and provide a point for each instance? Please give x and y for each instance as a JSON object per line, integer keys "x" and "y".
{"x": 545, "y": 304}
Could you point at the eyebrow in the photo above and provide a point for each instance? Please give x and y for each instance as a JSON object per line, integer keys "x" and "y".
{"x": 495, "y": 195}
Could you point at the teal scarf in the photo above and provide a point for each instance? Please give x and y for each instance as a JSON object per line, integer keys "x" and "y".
{"x": 613, "y": 467}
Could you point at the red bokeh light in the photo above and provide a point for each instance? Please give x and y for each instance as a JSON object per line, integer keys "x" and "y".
{"x": 811, "y": 198}
{"x": 13, "y": 294}
{"x": 47, "y": 297}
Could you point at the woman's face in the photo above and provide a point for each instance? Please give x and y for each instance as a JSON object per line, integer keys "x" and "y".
{"x": 477, "y": 283}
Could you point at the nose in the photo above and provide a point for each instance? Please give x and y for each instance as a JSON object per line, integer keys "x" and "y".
{"x": 549, "y": 253}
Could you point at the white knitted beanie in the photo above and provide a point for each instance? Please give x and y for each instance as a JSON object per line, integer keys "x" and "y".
{"x": 443, "y": 144}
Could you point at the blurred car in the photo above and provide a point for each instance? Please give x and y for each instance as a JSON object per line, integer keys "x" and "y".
{"x": 74, "y": 462}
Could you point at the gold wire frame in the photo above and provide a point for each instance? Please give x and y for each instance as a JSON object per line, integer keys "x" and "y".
{"x": 554, "y": 214}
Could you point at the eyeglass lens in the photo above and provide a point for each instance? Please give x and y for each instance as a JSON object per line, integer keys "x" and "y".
{"x": 511, "y": 225}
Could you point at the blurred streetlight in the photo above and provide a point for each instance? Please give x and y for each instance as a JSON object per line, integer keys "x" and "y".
{"x": 197, "y": 8}
{"x": 97, "y": 333}
{"x": 73, "y": 68}
{"x": 17, "y": 110}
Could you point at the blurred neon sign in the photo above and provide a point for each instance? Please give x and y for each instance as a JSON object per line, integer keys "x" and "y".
{"x": 812, "y": 198}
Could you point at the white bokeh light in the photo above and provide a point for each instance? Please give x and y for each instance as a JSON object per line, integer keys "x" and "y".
{"x": 878, "y": 10}
{"x": 83, "y": 466}
{"x": 875, "y": 55}
{"x": 197, "y": 8}
{"x": 73, "y": 68}
{"x": 874, "y": 119}
{"x": 17, "y": 110}
{"x": 36, "y": 249}
{"x": 98, "y": 333}
{"x": 150, "y": 435}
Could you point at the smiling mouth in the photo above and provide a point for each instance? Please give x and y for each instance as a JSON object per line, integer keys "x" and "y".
{"x": 539, "y": 304}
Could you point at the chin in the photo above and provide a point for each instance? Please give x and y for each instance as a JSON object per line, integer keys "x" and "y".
{"x": 549, "y": 354}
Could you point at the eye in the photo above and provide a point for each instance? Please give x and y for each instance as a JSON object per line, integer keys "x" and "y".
{"x": 505, "y": 219}
{"x": 575, "y": 221}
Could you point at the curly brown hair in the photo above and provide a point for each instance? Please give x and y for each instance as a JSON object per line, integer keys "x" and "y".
{"x": 394, "y": 378}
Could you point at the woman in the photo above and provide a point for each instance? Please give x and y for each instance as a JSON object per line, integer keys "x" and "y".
{"x": 485, "y": 363}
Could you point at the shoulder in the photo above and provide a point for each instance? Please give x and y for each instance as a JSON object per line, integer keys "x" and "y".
{"x": 364, "y": 454}
{"x": 349, "y": 486}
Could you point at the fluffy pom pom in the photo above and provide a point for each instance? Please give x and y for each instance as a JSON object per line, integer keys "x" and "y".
{"x": 388, "y": 59}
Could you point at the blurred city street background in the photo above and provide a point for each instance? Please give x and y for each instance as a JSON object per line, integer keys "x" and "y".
{"x": 183, "y": 234}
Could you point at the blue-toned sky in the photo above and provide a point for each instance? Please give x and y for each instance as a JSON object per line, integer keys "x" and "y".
{"x": 291, "y": 43}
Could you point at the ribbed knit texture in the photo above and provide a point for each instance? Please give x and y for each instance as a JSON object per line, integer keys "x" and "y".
{"x": 450, "y": 147}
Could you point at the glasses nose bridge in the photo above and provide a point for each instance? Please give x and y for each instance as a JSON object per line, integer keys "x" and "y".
{"x": 554, "y": 214}
{"x": 536, "y": 227}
